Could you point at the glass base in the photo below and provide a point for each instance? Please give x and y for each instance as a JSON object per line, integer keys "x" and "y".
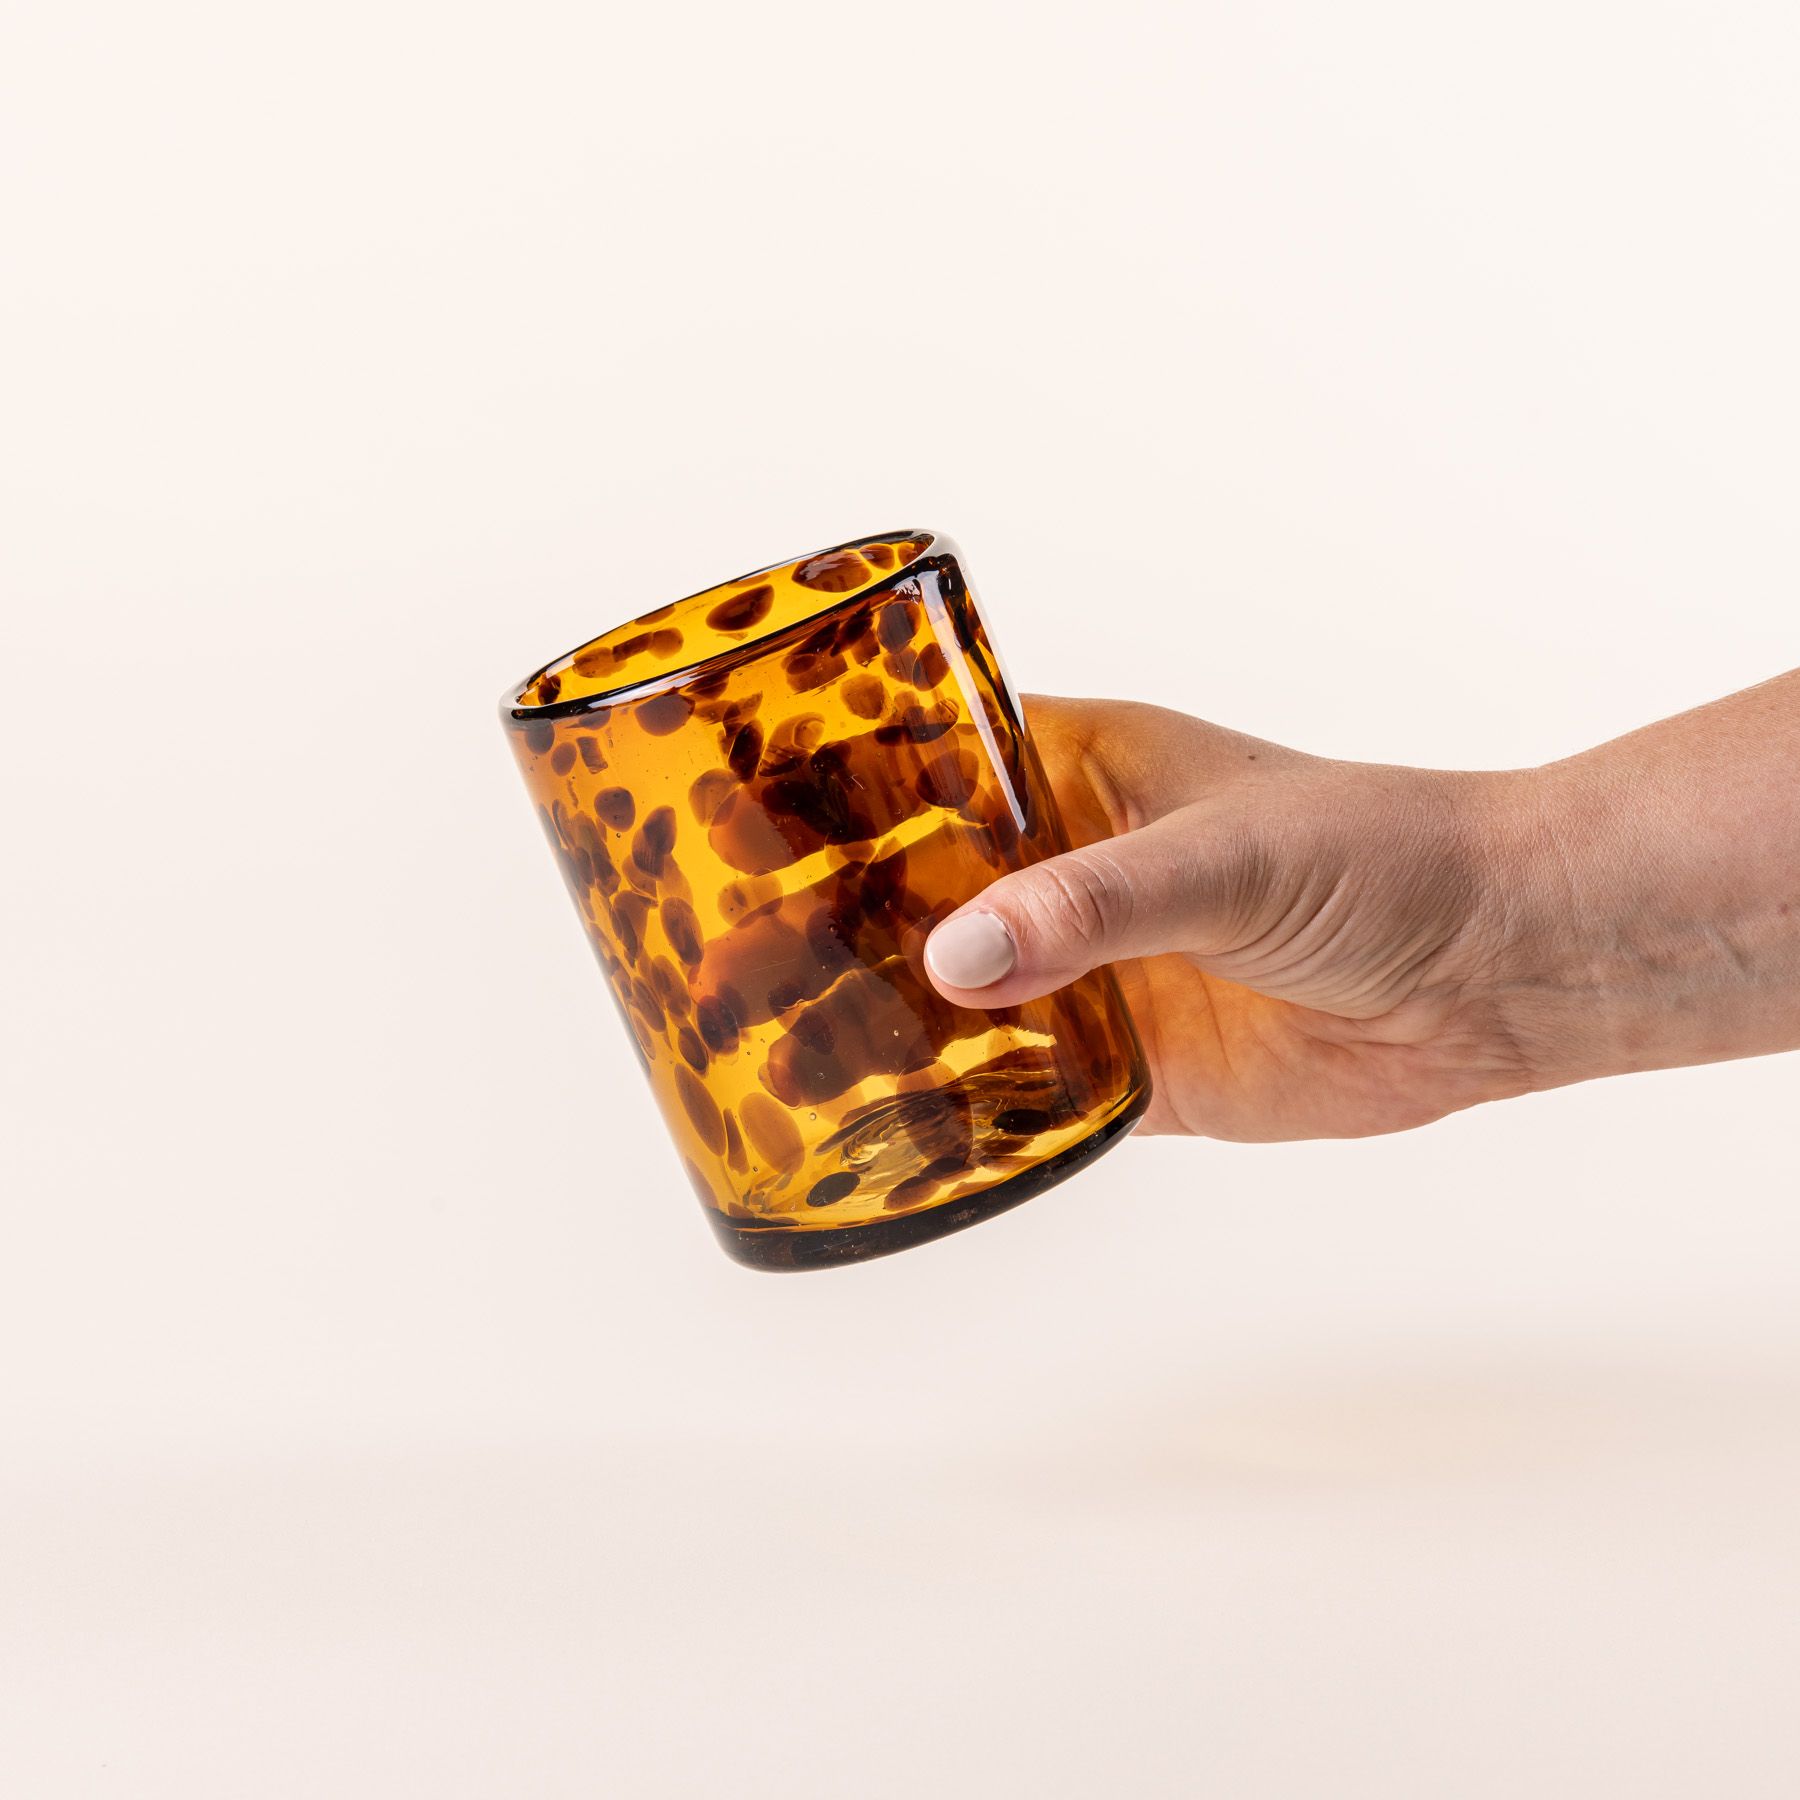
{"x": 785, "y": 1247}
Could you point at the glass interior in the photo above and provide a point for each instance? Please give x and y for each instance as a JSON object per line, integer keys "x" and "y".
{"x": 721, "y": 620}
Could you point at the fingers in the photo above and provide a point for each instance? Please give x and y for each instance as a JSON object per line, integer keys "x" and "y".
{"x": 1161, "y": 806}
{"x": 1137, "y": 894}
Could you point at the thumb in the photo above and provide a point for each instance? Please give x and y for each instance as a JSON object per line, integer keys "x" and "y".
{"x": 1137, "y": 894}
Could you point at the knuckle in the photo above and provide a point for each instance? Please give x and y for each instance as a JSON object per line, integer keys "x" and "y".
{"x": 1081, "y": 902}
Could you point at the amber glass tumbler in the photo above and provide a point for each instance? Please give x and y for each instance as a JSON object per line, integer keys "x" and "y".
{"x": 763, "y": 798}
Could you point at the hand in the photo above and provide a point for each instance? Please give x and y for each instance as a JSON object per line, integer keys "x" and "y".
{"x": 1300, "y": 941}
{"x": 1328, "y": 949}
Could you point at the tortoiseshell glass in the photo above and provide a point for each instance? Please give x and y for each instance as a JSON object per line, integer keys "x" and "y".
{"x": 763, "y": 798}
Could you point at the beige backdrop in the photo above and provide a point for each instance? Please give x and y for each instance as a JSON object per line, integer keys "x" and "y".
{"x": 376, "y": 1414}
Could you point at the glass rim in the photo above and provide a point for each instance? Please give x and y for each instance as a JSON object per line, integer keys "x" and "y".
{"x": 515, "y": 709}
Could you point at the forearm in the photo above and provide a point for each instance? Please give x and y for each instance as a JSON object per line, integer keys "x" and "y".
{"x": 1649, "y": 910}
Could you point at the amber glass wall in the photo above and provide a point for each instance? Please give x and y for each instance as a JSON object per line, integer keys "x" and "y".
{"x": 762, "y": 799}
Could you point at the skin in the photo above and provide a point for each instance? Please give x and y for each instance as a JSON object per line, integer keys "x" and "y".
{"x": 1315, "y": 948}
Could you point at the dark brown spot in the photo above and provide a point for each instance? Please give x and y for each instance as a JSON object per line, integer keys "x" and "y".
{"x": 1022, "y": 1121}
{"x": 933, "y": 666}
{"x": 549, "y": 688}
{"x": 919, "y": 724}
{"x": 881, "y": 555}
{"x": 693, "y": 1052}
{"x": 659, "y": 831}
{"x": 877, "y": 892}
{"x": 717, "y": 1025}
{"x": 864, "y": 695}
{"x": 753, "y": 843}
{"x": 878, "y": 1027}
{"x": 655, "y": 837}
{"x": 615, "y": 807}
{"x": 671, "y": 884}
{"x": 931, "y": 1178}
{"x": 836, "y": 572}
{"x": 709, "y": 792}
{"x": 744, "y": 897}
{"x": 606, "y": 873}
{"x": 895, "y": 625}
{"x": 824, "y": 797}
{"x": 539, "y": 736}
{"x": 851, "y": 624}
{"x": 641, "y": 878}
{"x": 665, "y": 643}
{"x": 859, "y": 640}
{"x": 806, "y": 670}
{"x": 629, "y": 911}
{"x": 781, "y": 950}
{"x": 701, "y": 1108}
{"x": 562, "y": 758}
{"x": 734, "y": 1145}
{"x": 948, "y": 779}
{"x": 772, "y": 1134}
{"x": 665, "y": 713}
{"x": 644, "y": 998}
{"x": 843, "y": 793}
{"x": 590, "y": 755}
{"x": 908, "y": 667}
{"x": 744, "y": 751}
{"x": 967, "y": 628}
{"x": 683, "y": 931}
{"x": 909, "y": 1192}
{"x": 670, "y": 987}
{"x": 794, "y": 740}
{"x": 1001, "y": 836}
{"x": 740, "y": 611}
{"x": 831, "y": 1189}
{"x": 700, "y": 1185}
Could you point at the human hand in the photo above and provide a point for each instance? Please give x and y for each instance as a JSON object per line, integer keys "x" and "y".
{"x": 1326, "y": 949}
{"x": 1300, "y": 941}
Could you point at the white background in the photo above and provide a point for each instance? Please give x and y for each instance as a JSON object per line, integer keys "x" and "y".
{"x": 1404, "y": 381}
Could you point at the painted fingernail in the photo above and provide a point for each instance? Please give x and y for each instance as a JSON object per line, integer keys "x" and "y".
{"x": 970, "y": 952}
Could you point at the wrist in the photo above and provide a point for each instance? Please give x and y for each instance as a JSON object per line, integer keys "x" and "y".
{"x": 1555, "y": 979}
{"x": 1623, "y": 933}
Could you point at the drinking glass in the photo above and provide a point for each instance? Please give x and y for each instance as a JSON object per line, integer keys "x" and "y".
{"x": 763, "y": 797}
